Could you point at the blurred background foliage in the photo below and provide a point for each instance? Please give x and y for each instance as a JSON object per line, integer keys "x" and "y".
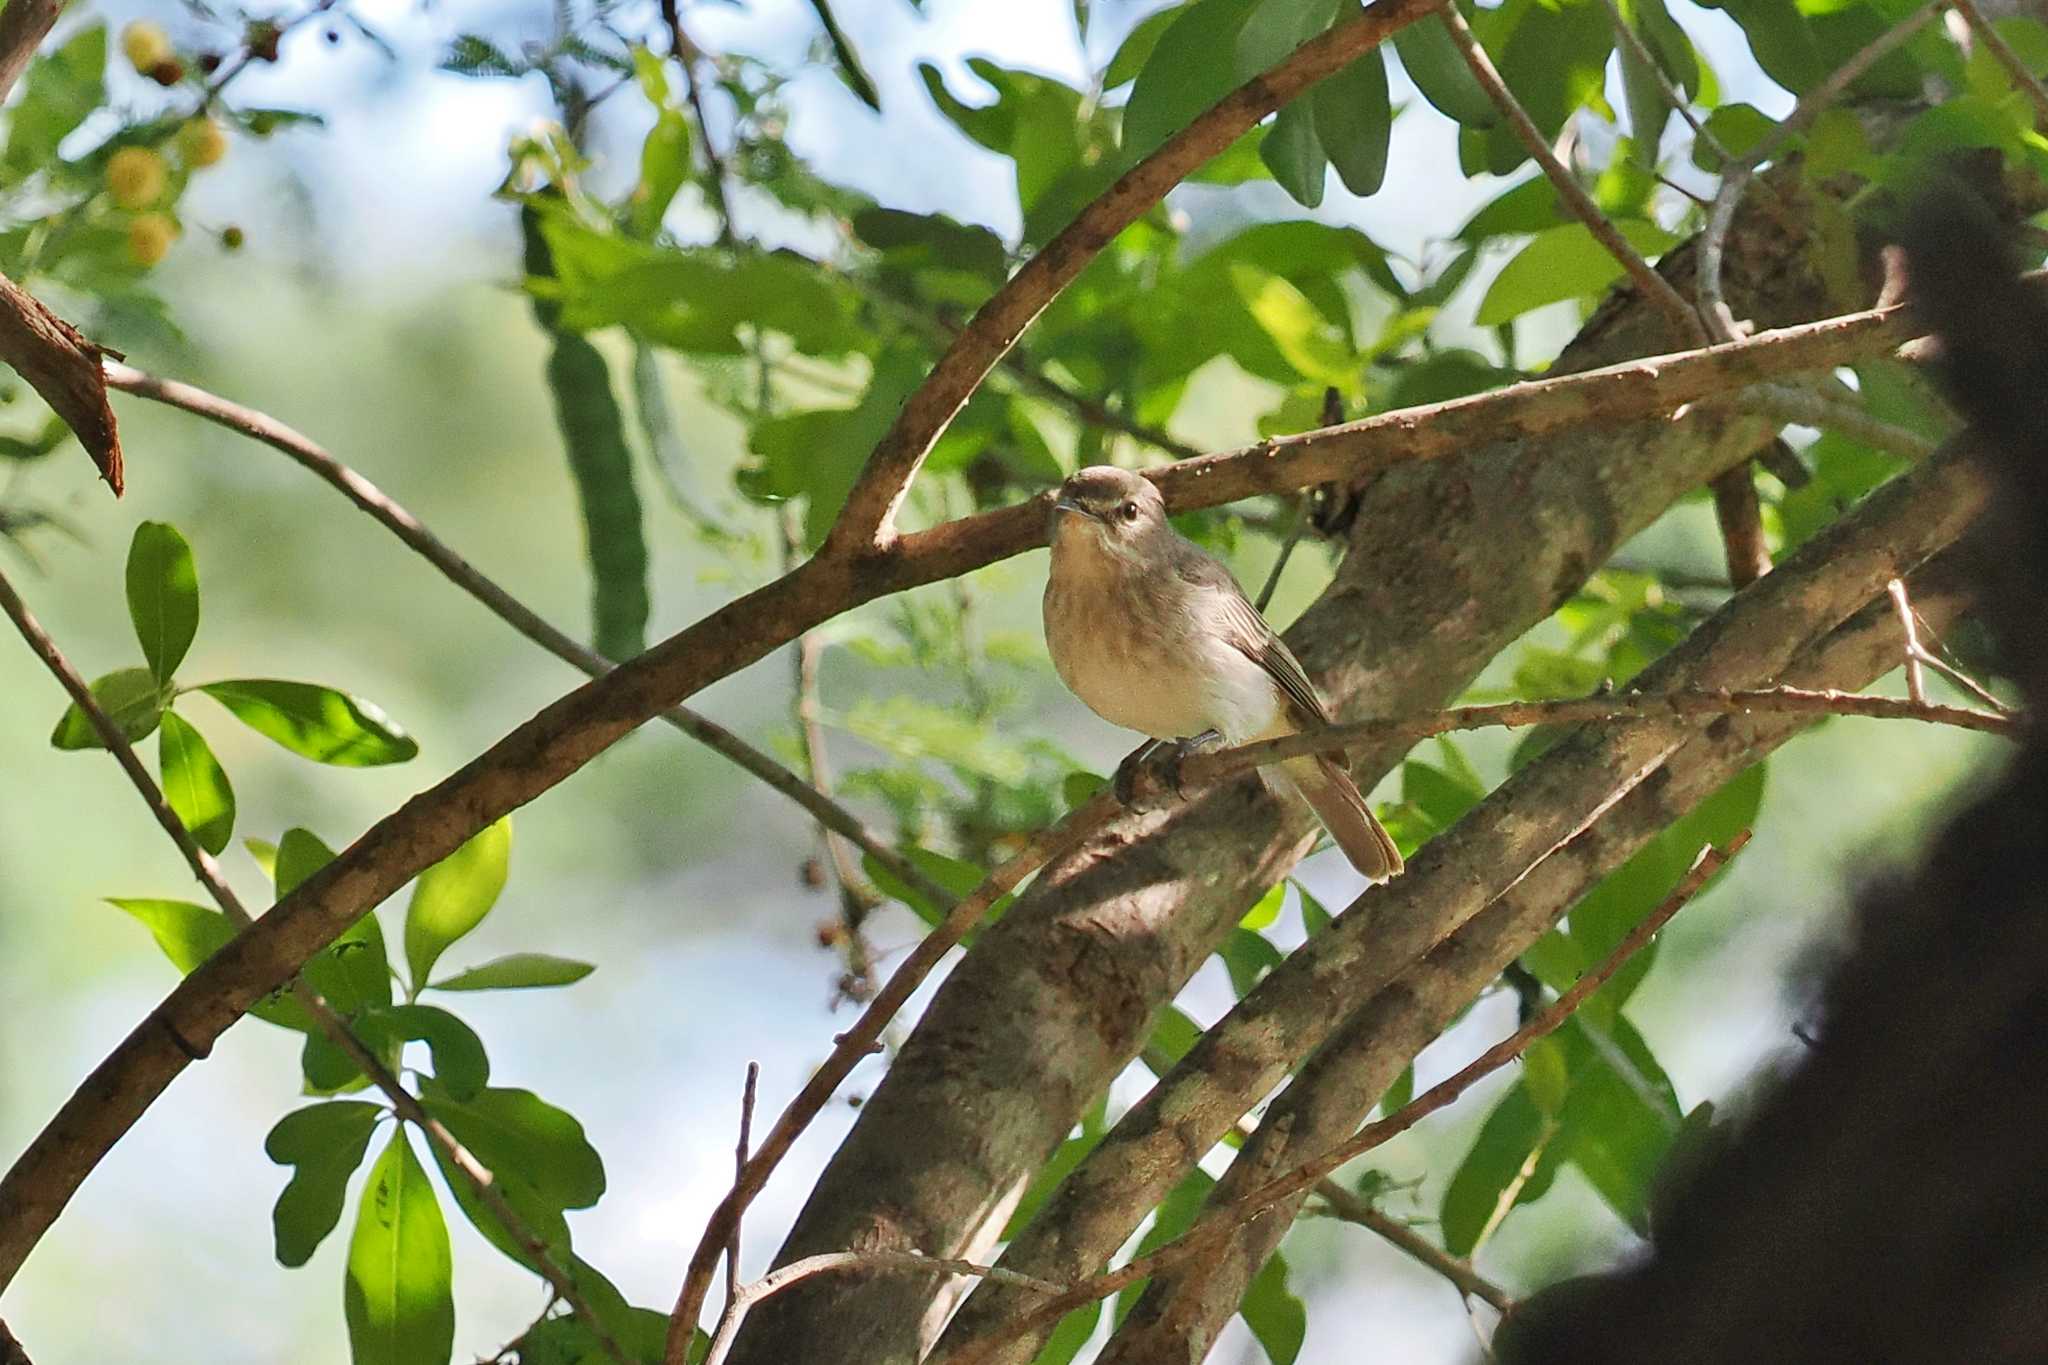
{"x": 624, "y": 343}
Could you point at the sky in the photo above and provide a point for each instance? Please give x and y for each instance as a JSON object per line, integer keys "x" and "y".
{"x": 374, "y": 301}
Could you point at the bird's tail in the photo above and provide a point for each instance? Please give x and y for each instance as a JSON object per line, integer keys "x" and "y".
{"x": 1335, "y": 799}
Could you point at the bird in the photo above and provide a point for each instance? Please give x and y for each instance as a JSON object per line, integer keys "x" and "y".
{"x": 1155, "y": 635}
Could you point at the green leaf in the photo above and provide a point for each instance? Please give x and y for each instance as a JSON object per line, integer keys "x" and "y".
{"x": 816, "y": 455}
{"x": 323, "y": 1144}
{"x": 1174, "y": 1034}
{"x": 163, "y": 596}
{"x": 63, "y": 86}
{"x": 298, "y": 855}
{"x": 1439, "y": 71}
{"x": 1277, "y": 1316}
{"x": 316, "y": 722}
{"x": 1513, "y": 1140}
{"x": 848, "y": 67}
{"x": 1314, "y": 347}
{"x": 1247, "y": 958}
{"x": 517, "y": 971}
{"x": 541, "y": 1217}
{"x": 1265, "y": 910}
{"x": 195, "y": 785}
{"x": 188, "y": 934}
{"x": 1137, "y": 49}
{"x": 1294, "y": 155}
{"x": 1554, "y": 57}
{"x": 1564, "y": 262}
{"x": 453, "y": 896}
{"x": 265, "y": 854}
{"x": 1067, "y": 1339}
{"x": 461, "y": 1067}
{"x": 1193, "y": 64}
{"x": 517, "y": 1133}
{"x": 664, "y": 166}
{"x": 398, "y": 1295}
{"x": 1354, "y": 121}
{"x": 354, "y": 971}
{"x": 131, "y": 699}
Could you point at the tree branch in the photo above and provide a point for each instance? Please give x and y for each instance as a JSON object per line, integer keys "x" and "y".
{"x": 567, "y": 734}
{"x": 1343, "y": 1205}
{"x": 331, "y": 1024}
{"x": 867, "y": 523}
{"x": 854, "y": 1045}
{"x": 1640, "y": 50}
{"x": 1459, "y": 873}
{"x": 11, "y": 1352}
{"x": 1336, "y": 1089}
{"x": 63, "y": 367}
{"x": 2002, "y": 51}
{"x": 416, "y": 536}
{"x": 1792, "y": 403}
{"x": 1221, "y": 1223}
{"x": 23, "y": 26}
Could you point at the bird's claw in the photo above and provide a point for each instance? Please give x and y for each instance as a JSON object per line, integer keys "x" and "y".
{"x": 1125, "y": 785}
{"x": 1156, "y": 765}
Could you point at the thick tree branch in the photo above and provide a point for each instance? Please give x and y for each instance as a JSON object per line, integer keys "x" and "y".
{"x": 569, "y": 733}
{"x": 856, "y": 1043}
{"x": 23, "y": 26}
{"x": 867, "y": 523}
{"x": 1338, "y": 1087}
{"x": 1456, "y": 876}
{"x": 1217, "y": 1226}
{"x": 11, "y": 1352}
{"x": 481, "y": 1181}
{"x": 62, "y": 366}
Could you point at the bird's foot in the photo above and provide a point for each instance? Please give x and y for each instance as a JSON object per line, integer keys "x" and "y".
{"x": 1180, "y": 751}
{"x": 1130, "y": 770}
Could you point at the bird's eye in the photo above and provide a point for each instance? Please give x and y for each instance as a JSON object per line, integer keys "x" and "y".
{"x": 1129, "y": 511}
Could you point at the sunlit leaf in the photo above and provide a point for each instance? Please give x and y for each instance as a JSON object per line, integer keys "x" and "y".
{"x": 195, "y": 785}
{"x": 163, "y": 596}
{"x": 1564, "y": 262}
{"x": 1275, "y": 1313}
{"x": 517, "y": 971}
{"x": 398, "y": 1295}
{"x": 320, "y": 723}
{"x": 131, "y": 699}
{"x": 453, "y": 896}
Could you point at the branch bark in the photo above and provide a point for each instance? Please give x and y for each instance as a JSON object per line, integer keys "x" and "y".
{"x": 64, "y": 368}
{"x": 23, "y": 26}
{"x": 1457, "y": 875}
{"x": 1338, "y": 1087}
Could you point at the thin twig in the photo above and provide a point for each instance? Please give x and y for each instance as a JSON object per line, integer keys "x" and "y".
{"x": 369, "y": 498}
{"x": 331, "y": 1024}
{"x": 1618, "y": 706}
{"x": 1633, "y": 41}
{"x": 1653, "y": 287}
{"x": 1792, "y": 403}
{"x": 1333, "y": 413}
{"x": 1342, "y": 1204}
{"x": 1220, "y": 1223}
{"x": 739, "y": 1169}
{"x": 687, "y": 54}
{"x": 2006, "y": 57}
{"x": 839, "y": 1262}
{"x": 857, "y": 1042}
{"x": 1916, "y": 677}
{"x": 1713, "y": 304}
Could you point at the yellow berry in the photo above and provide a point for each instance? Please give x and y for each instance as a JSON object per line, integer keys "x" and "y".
{"x": 150, "y": 237}
{"x": 135, "y": 177}
{"x": 146, "y": 46}
{"x": 201, "y": 142}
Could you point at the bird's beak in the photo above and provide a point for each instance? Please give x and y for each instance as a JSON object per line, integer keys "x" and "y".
{"x": 1066, "y": 504}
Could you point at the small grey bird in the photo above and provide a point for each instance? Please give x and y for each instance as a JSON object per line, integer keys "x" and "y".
{"x": 1156, "y": 636}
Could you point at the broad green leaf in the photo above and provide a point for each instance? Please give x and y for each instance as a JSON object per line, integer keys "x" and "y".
{"x": 1137, "y": 49}
{"x": 1192, "y": 65}
{"x": 1560, "y": 263}
{"x": 189, "y": 934}
{"x": 541, "y": 1216}
{"x": 298, "y": 855}
{"x": 594, "y": 437}
{"x": 1738, "y": 127}
{"x": 1265, "y": 909}
{"x": 1247, "y": 958}
{"x": 1067, "y": 1339}
{"x": 461, "y": 1067}
{"x": 921, "y": 241}
{"x": 518, "y": 1133}
{"x": 816, "y": 455}
{"x": 453, "y": 896}
{"x": 1277, "y": 1316}
{"x": 1174, "y": 1034}
{"x": 323, "y": 1144}
{"x": 398, "y": 1294}
{"x": 265, "y": 854}
{"x": 1294, "y": 154}
{"x": 62, "y": 87}
{"x": 195, "y": 785}
{"x": 1507, "y": 1163}
{"x": 354, "y": 970}
{"x": 1438, "y": 70}
{"x": 664, "y": 166}
{"x": 163, "y": 596}
{"x": 314, "y": 721}
{"x": 517, "y": 971}
{"x": 1315, "y": 916}
{"x": 1274, "y": 28}
{"x": 1317, "y": 350}
{"x": 1354, "y": 121}
{"x": 1554, "y": 57}
{"x": 131, "y": 699}
{"x": 1526, "y": 208}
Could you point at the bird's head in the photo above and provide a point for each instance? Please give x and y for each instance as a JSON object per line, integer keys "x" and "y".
{"x": 1112, "y": 508}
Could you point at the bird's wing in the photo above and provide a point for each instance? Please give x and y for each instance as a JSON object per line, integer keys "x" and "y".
{"x": 1248, "y": 630}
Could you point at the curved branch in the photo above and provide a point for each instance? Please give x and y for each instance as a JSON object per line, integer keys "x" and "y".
{"x": 867, "y": 522}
